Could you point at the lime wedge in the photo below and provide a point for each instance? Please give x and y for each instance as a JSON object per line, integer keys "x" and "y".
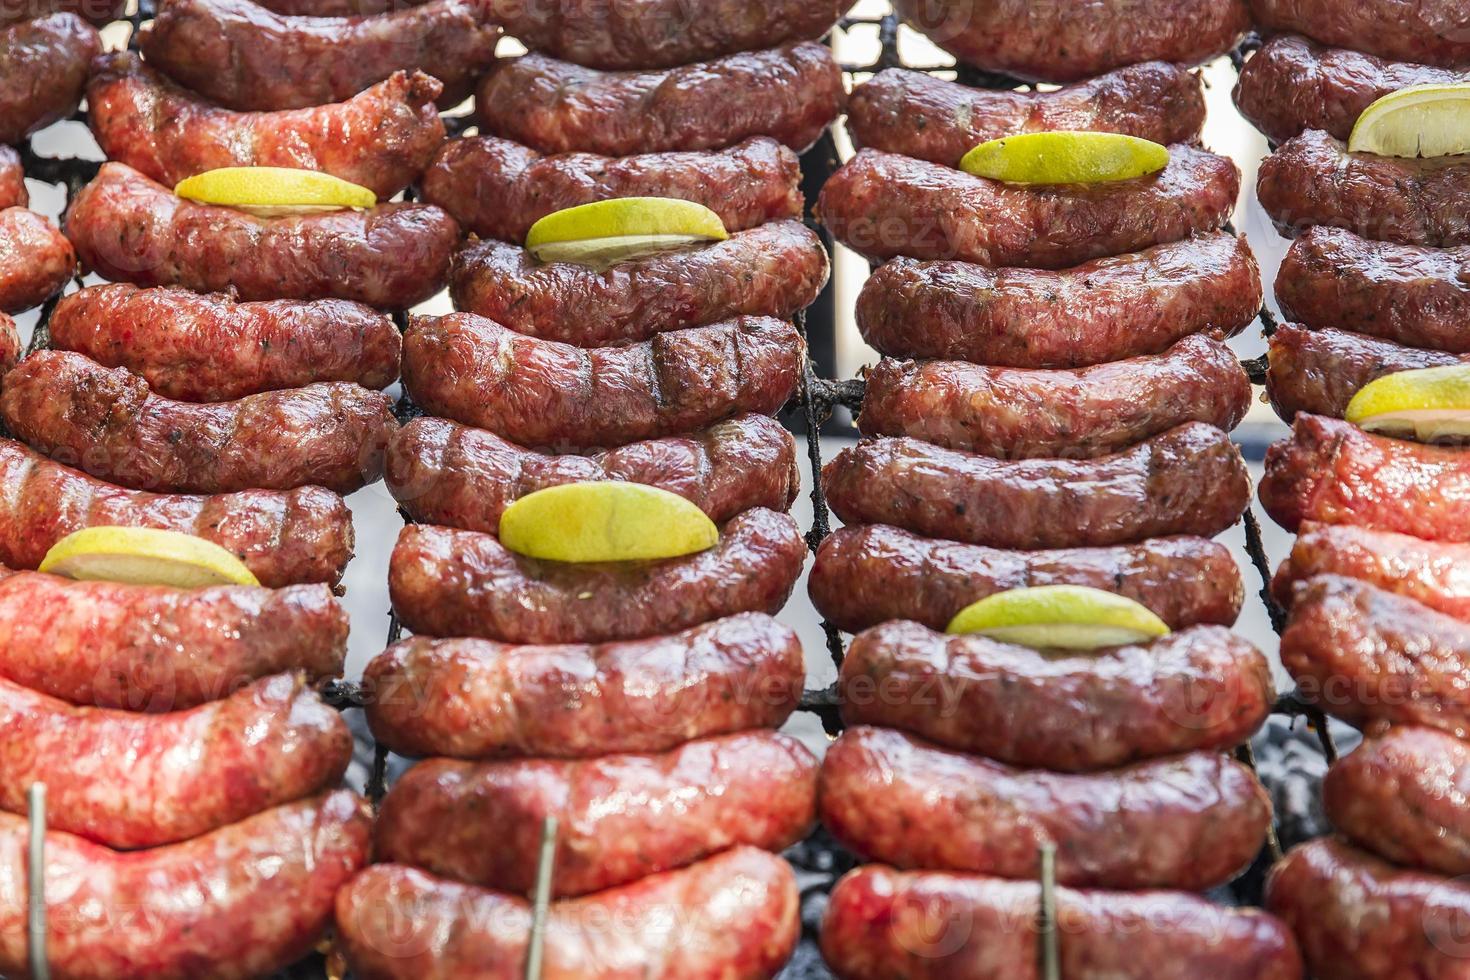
{"x": 623, "y": 228}
{"x": 1072, "y": 617}
{"x": 144, "y": 556}
{"x": 275, "y": 191}
{"x": 1428, "y": 404}
{"x": 1065, "y": 157}
{"x": 1418, "y": 121}
{"x": 605, "y": 521}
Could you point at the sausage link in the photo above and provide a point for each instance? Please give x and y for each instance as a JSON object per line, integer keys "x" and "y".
{"x": 10, "y": 347}
{"x": 448, "y": 474}
{"x": 1317, "y": 372}
{"x": 43, "y": 71}
{"x": 464, "y": 583}
{"x": 13, "y": 192}
{"x": 474, "y": 699}
{"x": 620, "y": 817}
{"x": 36, "y": 260}
{"x": 1435, "y": 32}
{"x": 1432, "y": 572}
{"x": 96, "y": 11}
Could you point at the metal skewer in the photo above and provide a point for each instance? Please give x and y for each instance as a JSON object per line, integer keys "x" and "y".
{"x": 36, "y": 882}
{"x": 1051, "y": 968}
{"x": 542, "y": 900}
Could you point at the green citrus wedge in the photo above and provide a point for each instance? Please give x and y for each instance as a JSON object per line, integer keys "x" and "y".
{"x": 1418, "y": 121}
{"x": 1428, "y": 404}
{"x": 1072, "y": 617}
{"x": 605, "y": 521}
{"x": 1065, "y": 157}
{"x": 275, "y": 191}
{"x": 623, "y": 228}
{"x": 145, "y": 556}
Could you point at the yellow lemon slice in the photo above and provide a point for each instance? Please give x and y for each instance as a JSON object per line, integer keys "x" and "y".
{"x": 145, "y": 556}
{"x": 605, "y": 521}
{"x": 271, "y": 192}
{"x": 1072, "y": 617}
{"x": 1428, "y": 404}
{"x": 605, "y": 232}
{"x": 1066, "y": 157}
{"x": 1418, "y": 121}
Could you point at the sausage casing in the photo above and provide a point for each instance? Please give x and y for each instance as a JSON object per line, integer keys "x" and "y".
{"x": 1435, "y": 32}
{"x": 1436, "y": 573}
{"x": 43, "y": 70}
{"x": 1317, "y": 372}
{"x": 36, "y": 260}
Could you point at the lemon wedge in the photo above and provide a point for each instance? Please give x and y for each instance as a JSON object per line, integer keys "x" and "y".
{"x": 1072, "y": 617}
{"x": 145, "y": 556}
{"x": 1428, "y": 404}
{"x": 271, "y": 192}
{"x": 605, "y": 232}
{"x": 1065, "y": 157}
{"x": 1418, "y": 121}
{"x": 605, "y": 521}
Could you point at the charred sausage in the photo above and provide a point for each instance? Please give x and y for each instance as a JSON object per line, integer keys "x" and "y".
{"x": 12, "y": 180}
{"x": 474, "y": 699}
{"x": 187, "y": 773}
{"x": 1317, "y": 372}
{"x": 452, "y": 475}
{"x": 243, "y": 901}
{"x": 1200, "y": 688}
{"x": 36, "y": 260}
{"x": 737, "y": 920}
{"x": 1104, "y": 310}
{"x": 465, "y": 583}
{"x": 1435, "y": 573}
{"x": 773, "y": 270}
{"x": 868, "y": 575}
{"x": 883, "y": 204}
{"x": 621, "y": 817}
{"x": 129, "y": 229}
{"x": 43, "y": 70}
{"x": 1018, "y": 413}
{"x": 107, "y": 422}
{"x": 540, "y": 393}
{"x": 1436, "y": 32}
{"x": 791, "y": 94}
{"x": 499, "y": 189}
{"x": 921, "y": 116}
{"x": 382, "y": 138}
{"x": 1190, "y": 480}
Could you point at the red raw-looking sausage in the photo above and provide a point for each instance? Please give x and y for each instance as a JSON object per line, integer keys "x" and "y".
{"x": 240, "y": 902}
{"x": 184, "y": 774}
{"x": 1435, "y": 32}
{"x": 13, "y": 192}
{"x": 735, "y": 917}
{"x": 1317, "y": 372}
{"x": 1436, "y": 573}
{"x": 476, "y": 699}
{"x": 43, "y": 70}
{"x": 620, "y": 817}
{"x": 36, "y": 260}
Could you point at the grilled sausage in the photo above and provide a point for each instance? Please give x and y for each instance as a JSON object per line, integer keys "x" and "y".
{"x": 1435, "y": 32}
{"x": 773, "y": 270}
{"x": 1366, "y": 655}
{"x": 1432, "y": 572}
{"x": 1314, "y": 180}
{"x": 1292, "y": 85}
{"x": 621, "y": 817}
{"x": 130, "y": 229}
{"x": 36, "y": 260}
{"x": 43, "y": 70}
{"x": 1016, "y": 413}
{"x": 1190, "y": 822}
{"x": 10, "y": 348}
{"x": 13, "y": 192}
{"x": 1400, "y": 794}
{"x": 882, "y": 205}
{"x": 96, "y": 11}
{"x": 499, "y": 189}
{"x": 921, "y": 116}
{"x": 243, "y": 901}
{"x": 868, "y": 575}
{"x": 737, "y": 919}
{"x": 1335, "y": 473}
{"x": 382, "y": 138}
{"x": 1190, "y": 480}
{"x": 187, "y": 773}
{"x": 245, "y": 57}
{"x": 934, "y": 925}
{"x": 1317, "y": 372}
{"x": 474, "y": 699}
{"x": 107, "y": 422}
{"x": 1104, "y": 310}
{"x": 338, "y": 8}
{"x": 791, "y": 94}
{"x": 284, "y": 538}
{"x": 1359, "y": 918}
{"x": 1409, "y": 294}
{"x": 1199, "y": 688}
{"x": 540, "y": 393}
{"x": 448, "y": 474}
{"x": 464, "y": 583}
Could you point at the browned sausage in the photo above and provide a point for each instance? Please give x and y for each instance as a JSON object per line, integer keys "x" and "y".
{"x": 12, "y": 180}
{"x": 43, "y": 70}
{"x": 36, "y": 260}
{"x": 1436, "y": 32}
{"x": 1435, "y": 573}
{"x": 1317, "y": 372}
{"x": 10, "y": 348}
{"x": 96, "y": 11}
{"x": 474, "y": 699}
